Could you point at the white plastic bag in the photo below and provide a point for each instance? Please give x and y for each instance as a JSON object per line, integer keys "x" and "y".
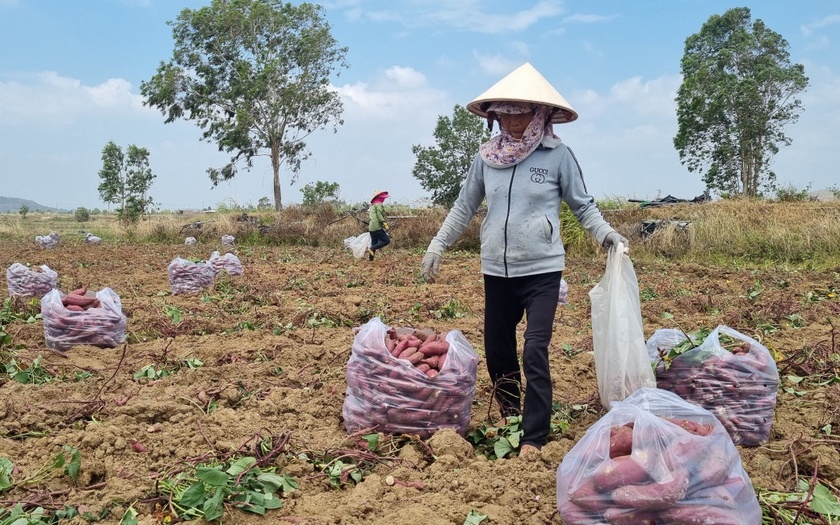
{"x": 622, "y": 365}
{"x": 186, "y": 276}
{"x": 228, "y": 262}
{"x": 563, "y": 297}
{"x": 25, "y": 282}
{"x": 393, "y": 396}
{"x": 358, "y": 244}
{"x": 102, "y": 326}
{"x": 738, "y": 385}
{"x": 655, "y": 458}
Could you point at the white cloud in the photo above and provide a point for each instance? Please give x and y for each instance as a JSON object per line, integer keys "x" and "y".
{"x": 496, "y": 65}
{"x": 586, "y": 19}
{"x": 468, "y": 15}
{"x": 396, "y": 94}
{"x": 51, "y": 97}
{"x": 808, "y": 29}
{"x": 632, "y": 97}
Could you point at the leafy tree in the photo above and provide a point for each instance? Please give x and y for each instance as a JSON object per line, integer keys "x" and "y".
{"x": 24, "y": 209}
{"x": 255, "y": 76}
{"x": 126, "y": 179}
{"x": 264, "y": 203}
{"x": 738, "y": 93}
{"x": 319, "y": 192}
{"x": 442, "y": 169}
{"x": 81, "y": 214}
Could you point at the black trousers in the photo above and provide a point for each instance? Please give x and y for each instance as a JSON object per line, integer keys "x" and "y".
{"x": 379, "y": 239}
{"x": 505, "y": 301}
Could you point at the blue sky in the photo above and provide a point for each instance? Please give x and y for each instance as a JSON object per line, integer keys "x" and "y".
{"x": 70, "y": 74}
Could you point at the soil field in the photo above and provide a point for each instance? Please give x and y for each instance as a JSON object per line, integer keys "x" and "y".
{"x": 273, "y": 346}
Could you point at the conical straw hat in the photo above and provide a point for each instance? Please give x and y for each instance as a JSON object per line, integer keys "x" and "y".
{"x": 524, "y": 84}
{"x": 377, "y": 193}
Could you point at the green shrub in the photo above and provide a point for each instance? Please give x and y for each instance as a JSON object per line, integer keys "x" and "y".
{"x": 81, "y": 214}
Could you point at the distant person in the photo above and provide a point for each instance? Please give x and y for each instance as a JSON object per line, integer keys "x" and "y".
{"x": 524, "y": 173}
{"x": 378, "y": 225}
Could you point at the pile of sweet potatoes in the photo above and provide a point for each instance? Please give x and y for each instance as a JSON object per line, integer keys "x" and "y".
{"x": 189, "y": 277}
{"x": 406, "y": 381}
{"x": 228, "y": 262}
{"x": 25, "y": 282}
{"x": 737, "y": 384}
{"x": 82, "y": 318}
{"x": 641, "y": 468}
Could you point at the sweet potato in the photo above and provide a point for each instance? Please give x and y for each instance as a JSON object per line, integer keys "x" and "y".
{"x": 434, "y": 348}
{"x": 619, "y": 516}
{"x": 407, "y": 352}
{"x": 571, "y": 514}
{"x": 655, "y": 495}
{"x": 79, "y": 300}
{"x": 80, "y": 291}
{"x": 613, "y": 473}
{"x": 400, "y": 347}
{"x": 685, "y": 514}
{"x": 441, "y": 360}
{"x": 718, "y": 496}
{"x": 75, "y": 308}
{"x": 693, "y": 427}
{"x": 621, "y": 440}
{"x": 587, "y": 496}
{"x": 713, "y": 470}
{"x": 431, "y": 361}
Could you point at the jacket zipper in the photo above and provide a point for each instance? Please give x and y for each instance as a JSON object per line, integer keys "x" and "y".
{"x": 507, "y": 218}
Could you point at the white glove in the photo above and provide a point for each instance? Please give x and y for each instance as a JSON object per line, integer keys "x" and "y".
{"x": 613, "y": 238}
{"x": 431, "y": 266}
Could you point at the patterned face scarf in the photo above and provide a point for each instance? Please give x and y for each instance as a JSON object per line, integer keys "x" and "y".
{"x": 504, "y": 151}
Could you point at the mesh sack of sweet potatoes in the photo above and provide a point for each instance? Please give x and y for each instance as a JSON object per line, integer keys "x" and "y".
{"x": 228, "y": 262}
{"x": 407, "y": 381}
{"x": 189, "y": 277}
{"x": 82, "y": 317}
{"x": 737, "y": 381}
{"x": 655, "y": 458}
{"x": 30, "y": 282}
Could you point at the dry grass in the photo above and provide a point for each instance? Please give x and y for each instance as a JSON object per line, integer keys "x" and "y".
{"x": 721, "y": 232}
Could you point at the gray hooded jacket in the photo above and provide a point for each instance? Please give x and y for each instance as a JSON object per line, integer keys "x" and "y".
{"x": 521, "y": 233}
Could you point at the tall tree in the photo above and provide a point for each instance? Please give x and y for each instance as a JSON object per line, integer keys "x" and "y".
{"x": 441, "y": 169}
{"x": 126, "y": 179}
{"x": 738, "y": 93}
{"x": 255, "y": 76}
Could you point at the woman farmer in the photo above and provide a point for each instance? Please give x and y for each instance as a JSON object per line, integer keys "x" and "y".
{"x": 377, "y": 226}
{"x": 525, "y": 173}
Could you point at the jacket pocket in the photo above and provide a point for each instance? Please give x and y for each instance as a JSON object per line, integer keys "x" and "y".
{"x": 548, "y": 230}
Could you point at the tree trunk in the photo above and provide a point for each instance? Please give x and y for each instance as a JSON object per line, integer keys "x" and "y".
{"x": 275, "y": 167}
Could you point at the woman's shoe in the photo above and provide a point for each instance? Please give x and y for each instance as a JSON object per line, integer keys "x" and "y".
{"x": 370, "y": 254}
{"x": 527, "y": 450}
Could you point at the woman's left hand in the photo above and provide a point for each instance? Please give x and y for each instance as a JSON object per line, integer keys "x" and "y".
{"x": 613, "y": 238}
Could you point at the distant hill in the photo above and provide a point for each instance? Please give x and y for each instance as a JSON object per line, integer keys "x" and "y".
{"x": 13, "y": 204}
